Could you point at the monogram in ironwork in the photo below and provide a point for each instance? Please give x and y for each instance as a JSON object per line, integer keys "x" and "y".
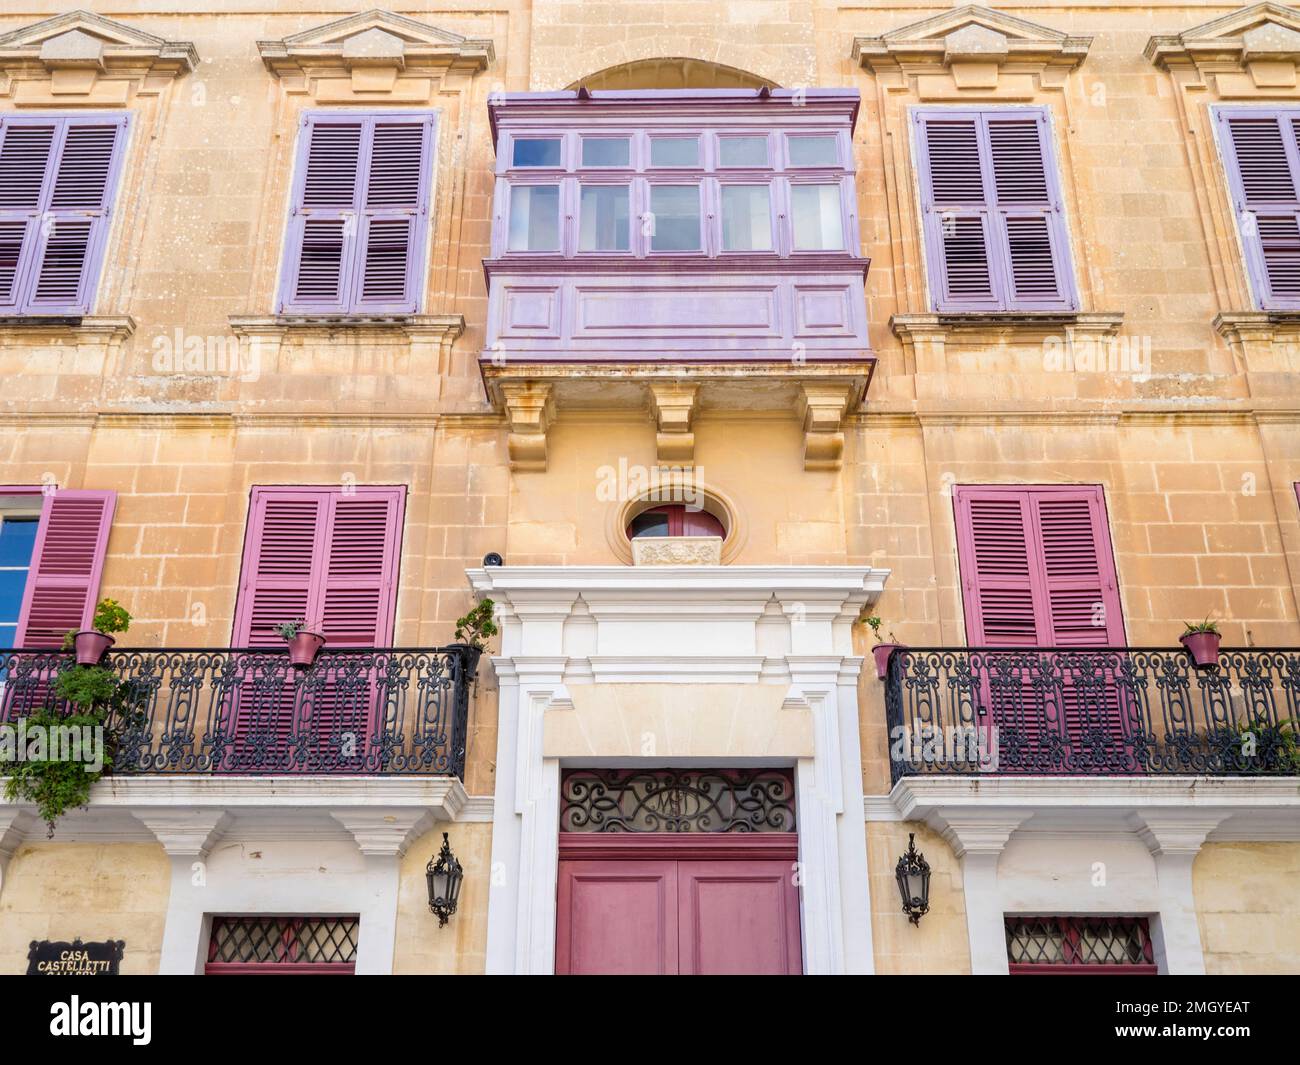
{"x": 677, "y": 800}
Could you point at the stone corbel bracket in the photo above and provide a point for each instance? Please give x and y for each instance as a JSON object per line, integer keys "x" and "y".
{"x": 374, "y": 56}
{"x": 82, "y": 59}
{"x": 1248, "y": 52}
{"x": 823, "y": 407}
{"x": 1262, "y": 341}
{"x": 971, "y": 50}
{"x": 674, "y": 405}
{"x": 529, "y": 409}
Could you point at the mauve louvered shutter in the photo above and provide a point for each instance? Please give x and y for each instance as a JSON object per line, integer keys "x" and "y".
{"x": 995, "y": 231}
{"x": 1263, "y": 164}
{"x": 359, "y": 215}
{"x": 67, "y": 560}
{"x": 995, "y": 551}
{"x": 959, "y": 236}
{"x": 359, "y": 582}
{"x": 1077, "y": 568}
{"x": 57, "y": 184}
{"x": 394, "y": 201}
{"x": 1029, "y": 213}
{"x": 283, "y": 560}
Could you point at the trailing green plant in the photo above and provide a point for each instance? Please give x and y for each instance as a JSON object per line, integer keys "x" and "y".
{"x": 110, "y": 618}
{"x": 56, "y": 784}
{"x": 875, "y": 623}
{"x": 477, "y": 627}
{"x": 289, "y": 629}
{"x": 1208, "y": 625}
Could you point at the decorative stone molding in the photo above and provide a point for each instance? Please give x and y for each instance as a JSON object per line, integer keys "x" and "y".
{"x": 107, "y": 332}
{"x": 384, "y": 833}
{"x": 1248, "y": 53}
{"x": 529, "y": 409}
{"x": 674, "y": 404}
{"x": 15, "y": 826}
{"x": 677, "y": 551}
{"x": 1082, "y": 336}
{"x": 185, "y": 833}
{"x": 82, "y": 59}
{"x": 822, "y": 407}
{"x": 1262, "y": 341}
{"x": 376, "y": 56}
{"x": 971, "y": 51}
{"x": 432, "y": 333}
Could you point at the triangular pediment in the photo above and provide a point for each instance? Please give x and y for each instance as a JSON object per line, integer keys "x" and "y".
{"x": 970, "y": 33}
{"x": 376, "y": 36}
{"x": 1260, "y": 32}
{"x": 80, "y": 37}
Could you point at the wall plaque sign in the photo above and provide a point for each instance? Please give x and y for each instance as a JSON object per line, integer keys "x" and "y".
{"x": 48, "y": 957}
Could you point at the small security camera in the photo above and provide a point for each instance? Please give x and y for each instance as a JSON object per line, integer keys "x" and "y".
{"x": 492, "y": 559}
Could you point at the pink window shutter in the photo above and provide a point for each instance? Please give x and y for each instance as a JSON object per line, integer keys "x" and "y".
{"x": 1262, "y": 159}
{"x": 57, "y": 182}
{"x": 67, "y": 561}
{"x": 998, "y": 570}
{"x": 359, "y": 583}
{"x": 359, "y": 215}
{"x": 1077, "y": 568}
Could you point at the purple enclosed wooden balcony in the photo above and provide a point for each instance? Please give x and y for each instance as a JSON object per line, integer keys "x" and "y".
{"x": 707, "y": 235}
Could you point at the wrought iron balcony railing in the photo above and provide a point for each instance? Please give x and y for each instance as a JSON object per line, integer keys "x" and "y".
{"x": 248, "y": 711}
{"x": 1097, "y": 711}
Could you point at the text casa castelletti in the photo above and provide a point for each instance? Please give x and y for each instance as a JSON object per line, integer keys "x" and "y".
{"x": 102, "y": 1018}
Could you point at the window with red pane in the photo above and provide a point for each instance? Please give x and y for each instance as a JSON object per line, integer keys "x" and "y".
{"x": 264, "y": 946}
{"x": 1063, "y": 946}
{"x": 674, "y": 519}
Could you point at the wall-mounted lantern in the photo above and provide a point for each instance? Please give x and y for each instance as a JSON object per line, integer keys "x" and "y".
{"x": 444, "y": 874}
{"x": 913, "y": 873}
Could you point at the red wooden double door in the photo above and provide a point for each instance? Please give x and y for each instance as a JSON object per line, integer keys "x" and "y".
{"x": 662, "y": 905}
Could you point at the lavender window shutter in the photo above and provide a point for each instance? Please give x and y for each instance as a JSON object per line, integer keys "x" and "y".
{"x": 57, "y": 182}
{"x": 955, "y": 209}
{"x": 359, "y": 215}
{"x": 322, "y": 222}
{"x": 394, "y": 216}
{"x": 1029, "y": 214}
{"x": 1260, "y": 152}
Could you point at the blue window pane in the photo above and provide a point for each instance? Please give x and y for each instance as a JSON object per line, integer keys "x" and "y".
{"x": 8, "y": 633}
{"x": 12, "y": 583}
{"x": 534, "y": 218}
{"x": 537, "y": 152}
{"x": 676, "y": 211}
{"x": 605, "y": 151}
{"x": 17, "y": 537}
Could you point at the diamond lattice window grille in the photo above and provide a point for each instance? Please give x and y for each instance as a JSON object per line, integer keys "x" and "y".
{"x": 1074, "y": 941}
{"x": 283, "y": 940}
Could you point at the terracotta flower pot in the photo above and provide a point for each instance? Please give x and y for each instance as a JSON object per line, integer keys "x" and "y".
{"x": 91, "y": 646}
{"x": 1203, "y": 647}
{"x": 304, "y": 646}
{"x": 881, "y": 653}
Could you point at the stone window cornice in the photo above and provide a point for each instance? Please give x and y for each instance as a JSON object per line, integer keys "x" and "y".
{"x": 1252, "y": 52}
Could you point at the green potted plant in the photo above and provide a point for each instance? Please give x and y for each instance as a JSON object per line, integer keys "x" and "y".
{"x": 92, "y": 644}
{"x": 473, "y": 630}
{"x": 881, "y": 651}
{"x": 304, "y": 644}
{"x": 1201, "y": 639}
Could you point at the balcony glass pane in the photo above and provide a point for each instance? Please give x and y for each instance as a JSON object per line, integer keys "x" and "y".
{"x": 605, "y": 151}
{"x": 676, "y": 217}
{"x": 746, "y": 218}
{"x": 603, "y": 218}
{"x": 817, "y": 222}
{"x": 813, "y": 151}
{"x": 534, "y": 218}
{"x": 17, "y": 537}
{"x": 742, "y": 151}
{"x": 675, "y": 151}
{"x": 534, "y": 151}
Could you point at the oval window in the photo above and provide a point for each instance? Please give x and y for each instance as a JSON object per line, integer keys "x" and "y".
{"x": 675, "y": 519}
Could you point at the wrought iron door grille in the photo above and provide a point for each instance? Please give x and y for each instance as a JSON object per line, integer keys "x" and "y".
{"x": 283, "y": 940}
{"x": 1076, "y": 941}
{"x": 677, "y": 800}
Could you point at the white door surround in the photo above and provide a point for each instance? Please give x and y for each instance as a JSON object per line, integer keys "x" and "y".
{"x": 725, "y": 636}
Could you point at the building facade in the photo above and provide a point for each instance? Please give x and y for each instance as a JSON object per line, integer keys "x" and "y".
{"x": 691, "y": 337}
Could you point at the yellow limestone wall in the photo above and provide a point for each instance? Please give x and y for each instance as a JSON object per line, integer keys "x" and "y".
{"x": 91, "y": 891}
{"x": 459, "y": 946}
{"x": 1197, "y": 456}
{"x": 1245, "y": 902}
